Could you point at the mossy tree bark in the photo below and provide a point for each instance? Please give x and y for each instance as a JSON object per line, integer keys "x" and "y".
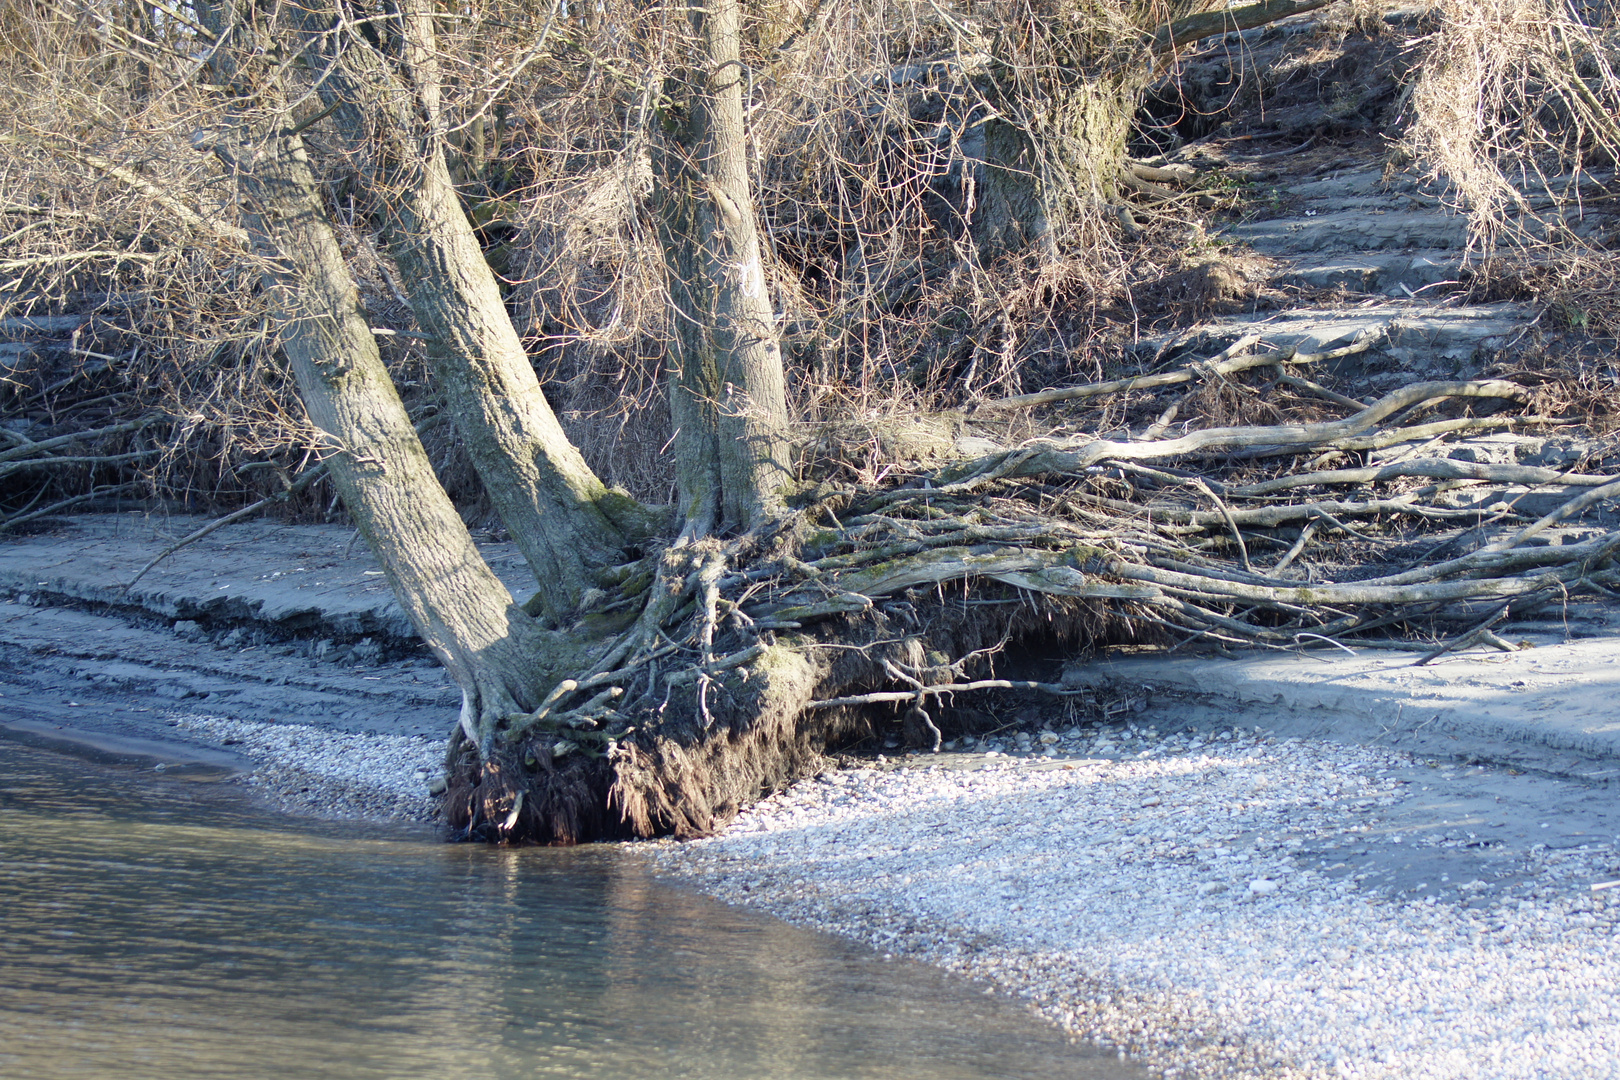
{"x": 1058, "y": 95}
{"x": 381, "y": 80}
{"x": 728, "y": 393}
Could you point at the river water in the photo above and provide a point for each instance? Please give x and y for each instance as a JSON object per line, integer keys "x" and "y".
{"x": 160, "y": 928}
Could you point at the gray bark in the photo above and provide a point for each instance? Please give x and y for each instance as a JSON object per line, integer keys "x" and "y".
{"x": 728, "y": 391}
{"x": 1047, "y": 160}
{"x": 377, "y": 463}
{"x": 1061, "y": 99}
{"x": 568, "y": 524}
{"x": 375, "y": 460}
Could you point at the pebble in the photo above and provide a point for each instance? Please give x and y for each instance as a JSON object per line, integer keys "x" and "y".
{"x": 334, "y": 774}
{"x": 1163, "y": 906}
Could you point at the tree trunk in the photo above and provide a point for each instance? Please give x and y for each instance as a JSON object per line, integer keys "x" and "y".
{"x": 728, "y": 391}
{"x": 377, "y": 463}
{"x": 568, "y": 524}
{"x": 1060, "y": 99}
{"x": 1047, "y": 162}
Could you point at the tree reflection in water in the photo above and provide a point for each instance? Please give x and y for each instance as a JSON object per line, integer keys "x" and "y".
{"x": 158, "y": 928}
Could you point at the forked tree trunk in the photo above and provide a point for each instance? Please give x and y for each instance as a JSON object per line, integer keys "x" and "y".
{"x": 568, "y": 524}
{"x": 377, "y": 463}
{"x": 728, "y": 393}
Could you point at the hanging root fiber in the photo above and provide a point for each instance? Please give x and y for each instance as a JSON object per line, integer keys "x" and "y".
{"x": 882, "y": 609}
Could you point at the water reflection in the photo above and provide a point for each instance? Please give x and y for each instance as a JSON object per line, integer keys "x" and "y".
{"x": 166, "y": 929}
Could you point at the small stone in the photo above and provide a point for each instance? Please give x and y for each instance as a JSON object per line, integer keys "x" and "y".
{"x": 1262, "y": 887}
{"x": 188, "y": 628}
{"x": 1152, "y": 800}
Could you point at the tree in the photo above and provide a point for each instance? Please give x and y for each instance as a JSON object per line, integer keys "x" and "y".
{"x": 464, "y": 613}
{"x": 380, "y": 82}
{"x": 671, "y": 671}
{"x": 381, "y": 89}
{"x": 728, "y": 399}
{"x": 1058, "y": 89}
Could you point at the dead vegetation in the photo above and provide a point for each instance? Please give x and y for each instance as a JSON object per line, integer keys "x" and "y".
{"x": 984, "y": 468}
{"x": 1515, "y": 109}
{"x": 872, "y": 177}
{"x": 879, "y": 605}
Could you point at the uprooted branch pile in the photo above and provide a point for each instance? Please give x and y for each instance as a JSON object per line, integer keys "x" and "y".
{"x": 730, "y": 666}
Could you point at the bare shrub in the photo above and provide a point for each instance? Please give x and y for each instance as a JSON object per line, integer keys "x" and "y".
{"x": 939, "y": 186}
{"x": 874, "y": 128}
{"x": 1516, "y": 101}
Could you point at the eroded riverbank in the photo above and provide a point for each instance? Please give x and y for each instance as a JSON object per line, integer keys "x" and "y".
{"x": 1380, "y": 870}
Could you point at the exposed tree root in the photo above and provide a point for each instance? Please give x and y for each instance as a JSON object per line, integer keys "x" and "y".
{"x": 753, "y": 656}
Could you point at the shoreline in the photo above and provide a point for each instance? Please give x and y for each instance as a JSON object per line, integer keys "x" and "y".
{"x": 1238, "y": 907}
{"x": 298, "y": 770}
{"x": 1210, "y": 901}
{"x": 317, "y": 772}
{"x": 1461, "y": 813}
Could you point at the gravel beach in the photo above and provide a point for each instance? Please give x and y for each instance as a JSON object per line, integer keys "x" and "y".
{"x": 1280, "y": 866}
{"x": 1214, "y": 902}
{"x": 333, "y": 774}
{"x": 1219, "y": 904}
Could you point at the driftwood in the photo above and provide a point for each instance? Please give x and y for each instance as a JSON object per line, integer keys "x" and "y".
{"x": 1193, "y": 28}
{"x": 28, "y": 513}
{"x": 25, "y": 455}
{"x": 1227, "y": 362}
{"x": 44, "y": 446}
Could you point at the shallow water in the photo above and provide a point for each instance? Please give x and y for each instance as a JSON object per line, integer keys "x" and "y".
{"x": 157, "y": 928}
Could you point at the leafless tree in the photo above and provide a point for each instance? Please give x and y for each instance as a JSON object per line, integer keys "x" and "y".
{"x": 731, "y": 185}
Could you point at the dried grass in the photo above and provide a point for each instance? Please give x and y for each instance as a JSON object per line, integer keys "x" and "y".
{"x": 1517, "y": 101}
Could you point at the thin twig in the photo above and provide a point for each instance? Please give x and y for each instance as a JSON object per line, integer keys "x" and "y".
{"x": 1243, "y": 549}
{"x": 297, "y": 486}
